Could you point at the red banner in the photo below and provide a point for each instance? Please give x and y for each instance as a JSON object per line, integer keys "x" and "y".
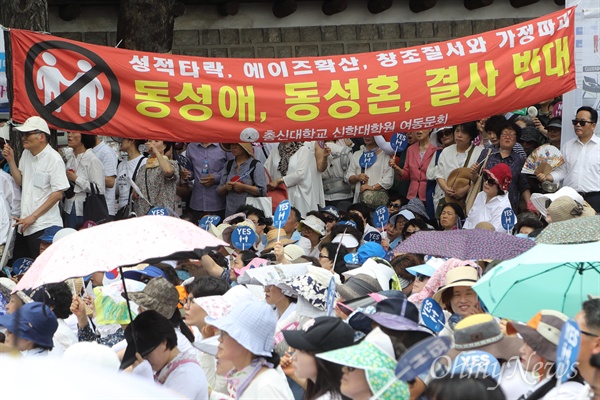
{"x": 115, "y": 92}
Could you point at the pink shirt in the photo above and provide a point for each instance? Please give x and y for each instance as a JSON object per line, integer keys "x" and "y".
{"x": 415, "y": 170}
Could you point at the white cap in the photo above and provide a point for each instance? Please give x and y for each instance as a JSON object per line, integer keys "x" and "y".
{"x": 292, "y": 252}
{"x": 34, "y": 123}
{"x": 62, "y": 233}
{"x": 346, "y": 239}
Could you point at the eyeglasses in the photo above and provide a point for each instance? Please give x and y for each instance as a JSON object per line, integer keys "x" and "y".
{"x": 580, "y": 122}
{"x": 589, "y": 334}
{"x": 321, "y": 255}
{"x": 422, "y": 278}
{"x": 26, "y": 134}
{"x": 508, "y": 134}
{"x": 394, "y": 205}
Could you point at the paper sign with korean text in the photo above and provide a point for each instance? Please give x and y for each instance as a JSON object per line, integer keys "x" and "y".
{"x": 106, "y": 90}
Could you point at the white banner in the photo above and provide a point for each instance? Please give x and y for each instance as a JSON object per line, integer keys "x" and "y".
{"x": 3, "y": 84}
{"x": 587, "y": 64}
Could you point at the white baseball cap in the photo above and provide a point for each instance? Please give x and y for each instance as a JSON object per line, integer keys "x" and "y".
{"x": 34, "y": 123}
{"x": 5, "y": 132}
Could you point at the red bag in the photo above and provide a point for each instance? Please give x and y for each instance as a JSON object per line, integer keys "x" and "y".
{"x": 278, "y": 194}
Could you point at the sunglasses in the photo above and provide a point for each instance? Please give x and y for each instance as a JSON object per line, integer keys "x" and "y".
{"x": 445, "y": 132}
{"x": 393, "y": 205}
{"x": 580, "y": 122}
{"x": 491, "y": 182}
{"x": 421, "y": 277}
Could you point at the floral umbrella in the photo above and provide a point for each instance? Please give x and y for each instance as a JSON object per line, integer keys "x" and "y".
{"x": 575, "y": 230}
{"x": 115, "y": 244}
{"x": 465, "y": 244}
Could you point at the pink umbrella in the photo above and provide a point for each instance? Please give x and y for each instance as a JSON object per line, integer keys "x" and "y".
{"x": 115, "y": 244}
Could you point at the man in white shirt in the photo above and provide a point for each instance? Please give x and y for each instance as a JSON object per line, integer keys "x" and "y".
{"x": 588, "y": 320}
{"x": 109, "y": 160}
{"x": 41, "y": 175}
{"x": 581, "y": 169}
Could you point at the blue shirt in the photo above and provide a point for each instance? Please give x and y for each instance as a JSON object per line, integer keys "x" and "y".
{"x": 205, "y": 198}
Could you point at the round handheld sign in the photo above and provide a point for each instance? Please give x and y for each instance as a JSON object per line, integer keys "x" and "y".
{"x": 330, "y": 297}
{"x": 421, "y": 356}
{"x": 367, "y": 159}
{"x": 347, "y": 222}
{"x": 508, "y": 218}
{"x": 243, "y": 237}
{"x": 352, "y": 259}
{"x": 476, "y": 363}
{"x": 282, "y": 213}
{"x": 158, "y": 211}
{"x": 373, "y": 237}
{"x": 433, "y": 315}
{"x": 209, "y": 219}
{"x": 21, "y": 265}
{"x": 399, "y": 142}
{"x": 381, "y": 216}
{"x": 567, "y": 350}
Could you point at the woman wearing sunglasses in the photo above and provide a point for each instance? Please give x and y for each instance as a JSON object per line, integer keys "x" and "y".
{"x": 493, "y": 199}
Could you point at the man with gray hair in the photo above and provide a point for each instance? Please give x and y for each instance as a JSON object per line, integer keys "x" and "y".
{"x": 42, "y": 178}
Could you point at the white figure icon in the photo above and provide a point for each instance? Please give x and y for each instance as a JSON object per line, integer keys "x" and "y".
{"x": 89, "y": 93}
{"x": 49, "y": 79}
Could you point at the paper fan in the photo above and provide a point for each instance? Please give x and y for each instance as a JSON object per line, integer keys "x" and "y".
{"x": 545, "y": 154}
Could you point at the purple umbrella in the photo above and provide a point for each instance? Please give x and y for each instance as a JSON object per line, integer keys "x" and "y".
{"x": 465, "y": 244}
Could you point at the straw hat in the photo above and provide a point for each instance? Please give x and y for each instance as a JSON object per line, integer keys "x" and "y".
{"x": 458, "y": 179}
{"x": 459, "y": 276}
{"x": 565, "y": 208}
{"x": 539, "y": 200}
{"x": 246, "y": 146}
{"x": 482, "y": 332}
{"x": 272, "y": 239}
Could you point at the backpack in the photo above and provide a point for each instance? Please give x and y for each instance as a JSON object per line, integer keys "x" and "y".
{"x": 345, "y": 156}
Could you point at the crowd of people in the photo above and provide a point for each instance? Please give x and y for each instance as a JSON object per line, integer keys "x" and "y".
{"x": 343, "y": 304}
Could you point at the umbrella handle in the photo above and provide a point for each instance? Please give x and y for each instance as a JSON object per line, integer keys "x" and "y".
{"x": 135, "y": 345}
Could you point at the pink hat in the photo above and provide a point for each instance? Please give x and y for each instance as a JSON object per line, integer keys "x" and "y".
{"x": 501, "y": 174}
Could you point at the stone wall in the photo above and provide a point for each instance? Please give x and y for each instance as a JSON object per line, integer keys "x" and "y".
{"x": 309, "y": 41}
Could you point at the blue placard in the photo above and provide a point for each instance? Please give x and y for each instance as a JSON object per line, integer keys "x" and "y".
{"x": 21, "y": 265}
{"x": 381, "y": 216}
{"x": 419, "y": 357}
{"x": 209, "y": 219}
{"x": 367, "y": 159}
{"x": 282, "y": 213}
{"x": 243, "y": 237}
{"x": 330, "y": 297}
{"x": 158, "y": 211}
{"x": 476, "y": 363}
{"x": 373, "y": 237}
{"x": 399, "y": 142}
{"x": 352, "y": 258}
{"x": 433, "y": 315}
{"x": 347, "y": 222}
{"x": 567, "y": 350}
{"x": 508, "y": 218}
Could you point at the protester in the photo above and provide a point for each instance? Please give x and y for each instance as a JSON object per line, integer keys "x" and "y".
{"x": 84, "y": 169}
{"x": 322, "y": 377}
{"x": 246, "y": 342}
{"x": 588, "y": 320}
{"x": 30, "y": 329}
{"x": 452, "y": 217}
{"x": 109, "y": 160}
{"x": 41, "y": 176}
{"x": 313, "y": 229}
{"x": 156, "y": 341}
{"x": 127, "y": 170}
{"x": 241, "y": 177}
{"x": 493, "y": 199}
{"x": 156, "y": 179}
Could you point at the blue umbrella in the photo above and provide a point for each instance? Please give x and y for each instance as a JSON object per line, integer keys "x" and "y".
{"x": 549, "y": 276}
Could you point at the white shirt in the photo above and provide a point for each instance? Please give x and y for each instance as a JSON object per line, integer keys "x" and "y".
{"x": 379, "y": 173}
{"x": 488, "y": 212}
{"x": 41, "y": 176}
{"x": 5, "y": 220}
{"x": 189, "y": 380}
{"x": 303, "y": 180}
{"x": 88, "y": 169}
{"x": 335, "y": 169}
{"x": 449, "y": 160}
{"x": 125, "y": 170}
{"x": 11, "y": 192}
{"x": 64, "y": 337}
{"x": 581, "y": 169}
{"x": 109, "y": 161}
